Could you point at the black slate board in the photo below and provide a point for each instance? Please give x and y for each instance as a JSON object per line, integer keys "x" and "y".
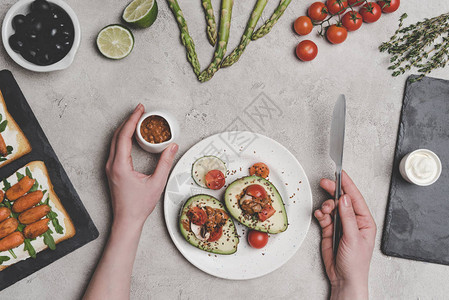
{"x": 417, "y": 218}
{"x": 85, "y": 229}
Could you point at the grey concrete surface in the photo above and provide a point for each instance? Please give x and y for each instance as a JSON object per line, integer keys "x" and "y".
{"x": 80, "y": 107}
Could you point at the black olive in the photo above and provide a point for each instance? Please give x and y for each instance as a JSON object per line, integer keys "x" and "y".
{"x": 30, "y": 55}
{"x": 44, "y": 58}
{"x": 54, "y": 32}
{"x": 40, "y": 6}
{"x": 19, "y": 23}
{"x": 36, "y": 26}
{"x": 16, "y": 43}
{"x": 32, "y": 38}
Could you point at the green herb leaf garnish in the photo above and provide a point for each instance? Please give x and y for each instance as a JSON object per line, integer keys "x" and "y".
{"x": 3, "y": 125}
{"x": 12, "y": 253}
{"x": 28, "y": 247}
{"x": 6, "y": 185}
{"x": 28, "y": 172}
{"x": 3, "y": 258}
{"x": 19, "y": 175}
{"x": 48, "y": 240}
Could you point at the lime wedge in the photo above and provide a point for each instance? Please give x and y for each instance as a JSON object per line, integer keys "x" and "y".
{"x": 140, "y": 13}
{"x": 115, "y": 41}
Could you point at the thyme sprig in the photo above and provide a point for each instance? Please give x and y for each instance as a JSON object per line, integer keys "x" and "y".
{"x": 423, "y": 45}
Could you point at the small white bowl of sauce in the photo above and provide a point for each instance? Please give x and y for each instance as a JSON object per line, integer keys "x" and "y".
{"x": 156, "y": 130}
{"x": 421, "y": 167}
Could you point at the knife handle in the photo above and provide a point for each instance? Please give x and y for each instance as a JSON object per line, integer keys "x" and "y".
{"x": 337, "y": 221}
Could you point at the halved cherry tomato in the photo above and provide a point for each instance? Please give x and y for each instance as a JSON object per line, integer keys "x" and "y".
{"x": 389, "y": 6}
{"x": 336, "y": 6}
{"x": 257, "y": 239}
{"x": 261, "y": 169}
{"x": 215, "y": 235}
{"x": 317, "y": 11}
{"x": 256, "y": 190}
{"x": 352, "y": 21}
{"x": 303, "y": 25}
{"x": 371, "y": 12}
{"x": 336, "y": 34}
{"x": 354, "y": 2}
{"x": 215, "y": 179}
{"x": 267, "y": 211}
{"x": 197, "y": 215}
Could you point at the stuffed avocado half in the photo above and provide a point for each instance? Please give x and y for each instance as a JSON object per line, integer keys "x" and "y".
{"x": 205, "y": 224}
{"x": 256, "y": 203}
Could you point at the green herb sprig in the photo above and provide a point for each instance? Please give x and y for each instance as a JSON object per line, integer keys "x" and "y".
{"x": 423, "y": 45}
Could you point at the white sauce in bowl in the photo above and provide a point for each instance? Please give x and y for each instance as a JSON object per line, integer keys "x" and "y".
{"x": 421, "y": 167}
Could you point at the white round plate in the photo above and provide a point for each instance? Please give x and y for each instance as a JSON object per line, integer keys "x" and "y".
{"x": 239, "y": 150}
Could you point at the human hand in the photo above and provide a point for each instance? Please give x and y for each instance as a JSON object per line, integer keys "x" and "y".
{"x": 348, "y": 273}
{"x": 134, "y": 195}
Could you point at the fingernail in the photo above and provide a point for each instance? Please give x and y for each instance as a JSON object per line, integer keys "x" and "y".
{"x": 137, "y": 107}
{"x": 174, "y": 148}
{"x": 346, "y": 200}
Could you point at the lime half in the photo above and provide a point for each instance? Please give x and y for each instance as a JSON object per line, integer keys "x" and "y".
{"x": 115, "y": 41}
{"x": 140, "y": 13}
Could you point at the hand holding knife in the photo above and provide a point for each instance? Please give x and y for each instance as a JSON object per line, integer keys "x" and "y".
{"x": 337, "y": 137}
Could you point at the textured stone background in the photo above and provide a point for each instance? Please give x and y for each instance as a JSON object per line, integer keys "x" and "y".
{"x": 80, "y": 107}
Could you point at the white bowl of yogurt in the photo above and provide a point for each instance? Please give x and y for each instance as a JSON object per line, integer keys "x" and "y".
{"x": 421, "y": 167}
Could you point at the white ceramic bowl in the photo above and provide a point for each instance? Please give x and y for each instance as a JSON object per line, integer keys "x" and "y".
{"x": 157, "y": 148}
{"x": 23, "y": 7}
{"x": 405, "y": 171}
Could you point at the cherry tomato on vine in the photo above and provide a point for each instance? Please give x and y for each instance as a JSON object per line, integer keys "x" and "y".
{"x": 352, "y": 21}
{"x": 355, "y": 2}
{"x": 336, "y": 6}
{"x": 389, "y": 6}
{"x": 336, "y": 34}
{"x": 303, "y": 25}
{"x": 317, "y": 11}
{"x": 257, "y": 239}
{"x": 306, "y": 50}
{"x": 371, "y": 12}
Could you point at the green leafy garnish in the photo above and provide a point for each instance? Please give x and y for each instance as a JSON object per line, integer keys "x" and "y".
{"x": 20, "y": 227}
{"x": 3, "y": 159}
{"x": 9, "y": 149}
{"x": 6, "y": 185}
{"x": 3, "y": 258}
{"x": 53, "y": 217}
{"x": 19, "y": 175}
{"x": 48, "y": 240}
{"x": 28, "y": 172}
{"x": 3, "y": 125}
{"x": 12, "y": 253}
{"x": 28, "y": 247}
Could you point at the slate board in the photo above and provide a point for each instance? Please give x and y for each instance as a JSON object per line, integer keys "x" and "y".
{"x": 85, "y": 228}
{"x": 417, "y": 218}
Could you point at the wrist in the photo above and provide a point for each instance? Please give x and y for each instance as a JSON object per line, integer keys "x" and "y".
{"x": 346, "y": 289}
{"x": 126, "y": 225}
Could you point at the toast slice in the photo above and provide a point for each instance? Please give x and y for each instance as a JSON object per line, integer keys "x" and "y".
{"x": 15, "y": 140}
{"x": 38, "y": 171}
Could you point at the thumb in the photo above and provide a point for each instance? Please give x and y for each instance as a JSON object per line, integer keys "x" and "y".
{"x": 165, "y": 163}
{"x": 347, "y": 215}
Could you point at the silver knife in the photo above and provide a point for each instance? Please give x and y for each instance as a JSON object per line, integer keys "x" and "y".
{"x": 337, "y": 138}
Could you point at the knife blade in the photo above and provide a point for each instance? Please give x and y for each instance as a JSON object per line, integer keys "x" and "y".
{"x": 337, "y": 138}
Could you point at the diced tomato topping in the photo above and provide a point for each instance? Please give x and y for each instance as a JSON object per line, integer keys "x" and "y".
{"x": 215, "y": 235}
{"x": 215, "y": 179}
{"x": 259, "y": 169}
{"x": 267, "y": 211}
{"x": 257, "y": 191}
{"x": 197, "y": 215}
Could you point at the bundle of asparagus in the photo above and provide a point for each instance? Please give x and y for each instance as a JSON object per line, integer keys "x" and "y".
{"x": 219, "y": 59}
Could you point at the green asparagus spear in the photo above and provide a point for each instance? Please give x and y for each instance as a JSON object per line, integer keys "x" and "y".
{"x": 266, "y": 28}
{"x": 186, "y": 39}
{"x": 223, "y": 36}
{"x": 246, "y": 38}
{"x": 210, "y": 19}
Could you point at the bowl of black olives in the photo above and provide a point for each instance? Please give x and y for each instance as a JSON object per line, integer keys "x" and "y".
{"x": 41, "y": 35}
